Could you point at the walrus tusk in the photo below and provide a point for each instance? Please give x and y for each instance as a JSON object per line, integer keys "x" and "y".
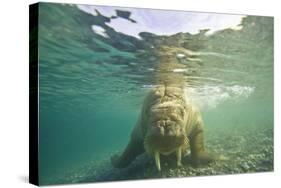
{"x": 179, "y": 157}
{"x": 157, "y": 160}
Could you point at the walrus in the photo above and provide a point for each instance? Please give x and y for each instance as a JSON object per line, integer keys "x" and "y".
{"x": 169, "y": 122}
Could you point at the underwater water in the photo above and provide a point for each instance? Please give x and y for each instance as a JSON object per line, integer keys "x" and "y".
{"x": 93, "y": 79}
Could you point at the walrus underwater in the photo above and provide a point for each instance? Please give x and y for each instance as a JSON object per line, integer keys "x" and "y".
{"x": 169, "y": 123}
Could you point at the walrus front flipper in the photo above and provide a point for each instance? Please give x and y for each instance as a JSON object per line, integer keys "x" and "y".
{"x": 133, "y": 149}
{"x": 198, "y": 153}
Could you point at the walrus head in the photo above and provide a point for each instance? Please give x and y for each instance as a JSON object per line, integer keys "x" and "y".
{"x": 165, "y": 132}
{"x": 165, "y": 136}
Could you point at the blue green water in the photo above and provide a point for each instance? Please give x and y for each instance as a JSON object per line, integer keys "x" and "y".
{"x": 91, "y": 86}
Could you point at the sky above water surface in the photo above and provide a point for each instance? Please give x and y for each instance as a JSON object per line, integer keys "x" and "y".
{"x": 164, "y": 22}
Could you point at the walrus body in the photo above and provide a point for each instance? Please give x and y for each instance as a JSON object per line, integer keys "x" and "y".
{"x": 168, "y": 123}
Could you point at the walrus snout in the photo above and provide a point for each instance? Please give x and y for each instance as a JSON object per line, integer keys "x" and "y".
{"x": 172, "y": 132}
{"x": 158, "y": 130}
{"x": 167, "y": 128}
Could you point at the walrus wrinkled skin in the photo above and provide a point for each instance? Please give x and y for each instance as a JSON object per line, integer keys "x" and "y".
{"x": 169, "y": 123}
